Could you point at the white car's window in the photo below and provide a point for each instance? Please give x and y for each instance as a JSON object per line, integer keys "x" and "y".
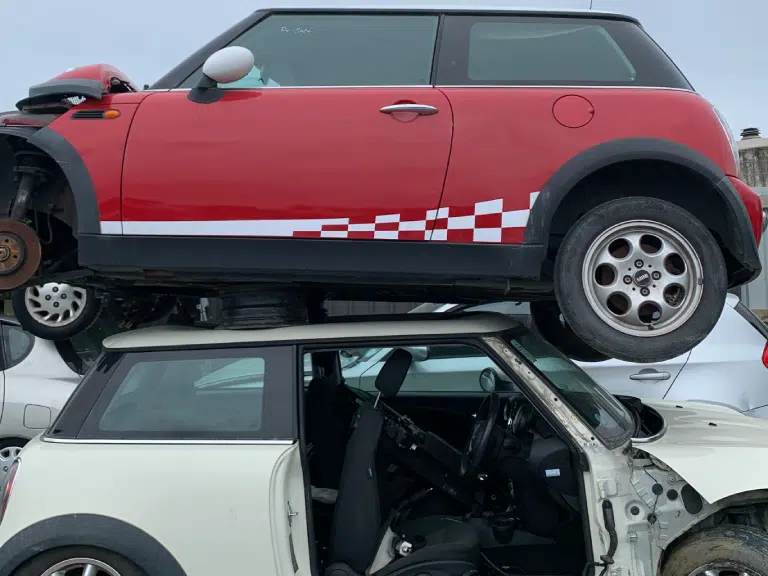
{"x": 445, "y": 369}
{"x": 304, "y": 50}
{"x": 192, "y": 393}
{"x": 17, "y": 344}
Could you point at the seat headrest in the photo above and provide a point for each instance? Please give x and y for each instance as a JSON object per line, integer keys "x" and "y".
{"x": 393, "y": 373}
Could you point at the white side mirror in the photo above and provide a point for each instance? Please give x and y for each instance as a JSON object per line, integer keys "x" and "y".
{"x": 229, "y": 64}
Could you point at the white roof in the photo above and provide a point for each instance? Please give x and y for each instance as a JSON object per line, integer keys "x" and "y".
{"x": 432, "y": 325}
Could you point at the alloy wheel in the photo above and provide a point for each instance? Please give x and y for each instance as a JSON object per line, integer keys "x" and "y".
{"x": 7, "y": 456}
{"x": 81, "y": 567}
{"x": 643, "y": 278}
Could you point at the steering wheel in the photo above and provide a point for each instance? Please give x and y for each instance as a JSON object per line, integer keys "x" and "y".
{"x": 478, "y": 441}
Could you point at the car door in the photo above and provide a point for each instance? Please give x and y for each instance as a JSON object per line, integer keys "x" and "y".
{"x": 335, "y": 133}
{"x": 640, "y": 380}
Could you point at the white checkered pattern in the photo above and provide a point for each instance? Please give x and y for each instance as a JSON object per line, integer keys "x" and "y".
{"x": 484, "y": 222}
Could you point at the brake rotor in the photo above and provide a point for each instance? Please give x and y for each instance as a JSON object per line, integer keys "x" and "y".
{"x": 20, "y": 253}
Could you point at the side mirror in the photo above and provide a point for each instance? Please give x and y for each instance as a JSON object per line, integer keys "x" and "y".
{"x": 227, "y": 65}
{"x": 488, "y": 380}
{"x": 419, "y": 353}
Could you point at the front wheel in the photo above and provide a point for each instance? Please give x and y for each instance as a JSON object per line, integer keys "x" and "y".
{"x": 640, "y": 279}
{"x": 56, "y": 311}
{"x": 79, "y": 561}
{"x": 721, "y": 551}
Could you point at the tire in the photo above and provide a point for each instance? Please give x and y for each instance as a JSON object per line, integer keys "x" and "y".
{"x": 109, "y": 563}
{"x": 725, "y": 549}
{"x": 613, "y": 314}
{"x": 546, "y": 318}
{"x": 35, "y": 311}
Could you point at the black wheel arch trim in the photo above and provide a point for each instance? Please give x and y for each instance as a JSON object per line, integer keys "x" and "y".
{"x": 70, "y": 162}
{"x": 89, "y": 530}
{"x": 742, "y": 244}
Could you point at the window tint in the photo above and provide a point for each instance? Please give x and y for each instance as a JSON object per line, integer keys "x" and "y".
{"x": 228, "y": 394}
{"x": 449, "y": 369}
{"x": 554, "y": 51}
{"x": 338, "y": 50}
{"x": 17, "y": 345}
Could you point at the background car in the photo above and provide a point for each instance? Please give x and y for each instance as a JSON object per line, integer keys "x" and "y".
{"x": 737, "y": 345}
{"x": 37, "y": 378}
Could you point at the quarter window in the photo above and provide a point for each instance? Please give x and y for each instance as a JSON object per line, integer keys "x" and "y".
{"x": 17, "y": 345}
{"x": 551, "y": 51}
{"x": 229, "y": 394}
{"x": 338, "y": 50}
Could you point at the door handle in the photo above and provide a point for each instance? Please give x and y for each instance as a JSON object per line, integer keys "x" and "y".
{"x": 650, "y": 374}
{"x": 420, "y": 109}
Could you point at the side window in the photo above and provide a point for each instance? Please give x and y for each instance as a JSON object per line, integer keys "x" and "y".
{"x": 524, "y": 50}
{"x": 444, "y": 369}
{"x": 337, "y": 50}
{"x": 17, "y": 345}
{"x": 242, "y": 394}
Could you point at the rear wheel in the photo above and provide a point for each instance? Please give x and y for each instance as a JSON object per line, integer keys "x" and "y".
{"x": 640, "y": 279}
{"x": 56, "y": 311}
{"x": 549, "y": 322}
{"x": 79, "y": 561}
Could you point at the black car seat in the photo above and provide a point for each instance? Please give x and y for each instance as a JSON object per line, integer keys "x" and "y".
{"x": 442, "y": 546}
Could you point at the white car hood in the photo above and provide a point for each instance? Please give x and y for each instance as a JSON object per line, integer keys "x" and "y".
{"x": 717, "y": 450}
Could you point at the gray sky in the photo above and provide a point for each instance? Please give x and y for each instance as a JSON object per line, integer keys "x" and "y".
{"x": 719, "y": 44}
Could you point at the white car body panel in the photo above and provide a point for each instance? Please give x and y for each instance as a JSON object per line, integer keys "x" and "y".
{"x": 715, "y": 448}
{"x": 167, "y": 490}
{"x": 35, "y": 391}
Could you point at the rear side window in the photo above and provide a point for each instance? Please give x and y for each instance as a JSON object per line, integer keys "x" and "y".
{"x": 244, "y": 394}
{"x": 17, "y": 344}
{"x": 294, "y": 50}
{"x": 553, "y": 51}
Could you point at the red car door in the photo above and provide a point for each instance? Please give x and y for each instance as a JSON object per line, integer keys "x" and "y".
{"x": 363, "y": 157}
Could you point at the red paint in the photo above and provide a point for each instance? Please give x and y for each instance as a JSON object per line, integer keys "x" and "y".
{"x": 285, "y": 154}
{"x": 100, "y": 144}
{"x": 101, "y": 72}
{"x": 754, "y": 206}
{"x": 573, "y": 111}
{"x": 507, "y": 143}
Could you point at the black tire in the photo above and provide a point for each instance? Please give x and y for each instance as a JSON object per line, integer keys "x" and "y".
{"x": 90, "y": 312}
{"x": 730, "y": 548}
{"x": 596, "y": 332}
{"x": 43, "y": 562}
{"x": 545, "y": 317}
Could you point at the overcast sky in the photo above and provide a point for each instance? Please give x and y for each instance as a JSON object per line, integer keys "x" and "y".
{"x": 719, "y": 44}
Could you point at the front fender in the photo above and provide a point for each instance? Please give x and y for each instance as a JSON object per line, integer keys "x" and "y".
{"x": 70, "y": 162}
{"x": 89, "y": 530}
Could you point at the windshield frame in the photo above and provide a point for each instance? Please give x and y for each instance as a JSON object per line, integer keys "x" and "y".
{"x": 603, "y": 399}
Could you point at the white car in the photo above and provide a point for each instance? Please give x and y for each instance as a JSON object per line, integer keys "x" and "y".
{"x": 737, "y": 345}
{"x": 191, "y": 452}
{"x": 36, "y": 380}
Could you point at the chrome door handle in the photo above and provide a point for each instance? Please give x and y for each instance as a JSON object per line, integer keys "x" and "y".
{"x": 650, "y": 374}
{"x": 421, "y": 109}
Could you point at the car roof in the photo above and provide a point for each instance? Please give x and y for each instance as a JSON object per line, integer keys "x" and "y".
{"x": 468, "y": 8}
{"x": 349, "y": 327}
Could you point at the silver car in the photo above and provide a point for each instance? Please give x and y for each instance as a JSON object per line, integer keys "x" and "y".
{"x": 729, "y": 368}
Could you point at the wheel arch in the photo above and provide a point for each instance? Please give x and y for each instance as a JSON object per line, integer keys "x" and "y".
{"x": 89, "y": 530}
{"x": 66, "y": 157}
{"x": 580, "y": 185}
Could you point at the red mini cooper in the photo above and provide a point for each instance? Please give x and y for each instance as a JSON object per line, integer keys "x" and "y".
{"x": 440, "y": 155}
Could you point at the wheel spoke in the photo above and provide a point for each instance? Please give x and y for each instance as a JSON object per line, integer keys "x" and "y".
{"x": 90, "y": 570}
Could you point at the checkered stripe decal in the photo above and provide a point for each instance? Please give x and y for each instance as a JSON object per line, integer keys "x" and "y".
{"x": 484, "y": 222}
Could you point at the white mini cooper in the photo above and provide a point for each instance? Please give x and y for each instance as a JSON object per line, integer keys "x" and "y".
{"x": 202, "y": 452}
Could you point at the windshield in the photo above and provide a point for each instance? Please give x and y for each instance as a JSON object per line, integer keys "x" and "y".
{"x": 607, "y": 417}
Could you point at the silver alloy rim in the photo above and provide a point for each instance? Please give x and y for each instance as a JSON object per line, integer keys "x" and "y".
{"x": 81, "y": 567}
{"x": 717, "y": 569}
{"x": 642, "y": 278}
{"x": 54, "y": 304}
{"x": 7, "y": 456}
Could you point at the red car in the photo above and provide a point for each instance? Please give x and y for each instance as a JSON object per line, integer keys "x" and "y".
{"x": 443, "y": 155}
